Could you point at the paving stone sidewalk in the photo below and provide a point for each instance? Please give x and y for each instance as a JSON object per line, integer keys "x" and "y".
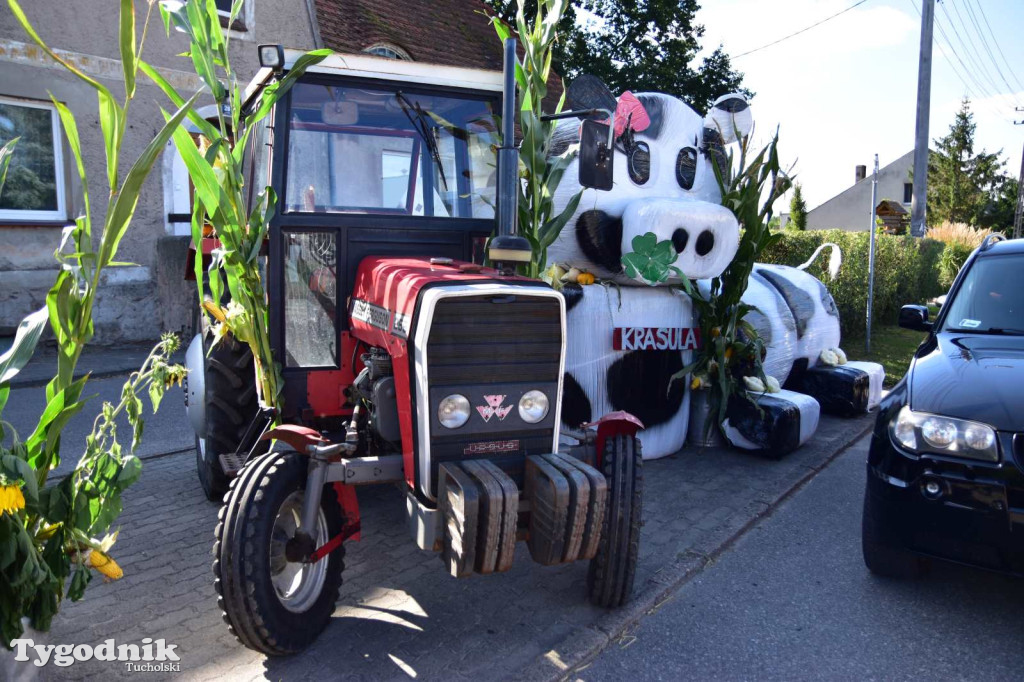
{"x": 399, "y": 614}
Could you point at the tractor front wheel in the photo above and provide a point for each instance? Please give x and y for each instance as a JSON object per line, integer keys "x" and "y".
{"x": 610, "y": 577}
{"x": 274, "y": 605}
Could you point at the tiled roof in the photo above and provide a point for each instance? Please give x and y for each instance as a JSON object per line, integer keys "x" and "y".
{"x": 450, "y": 32}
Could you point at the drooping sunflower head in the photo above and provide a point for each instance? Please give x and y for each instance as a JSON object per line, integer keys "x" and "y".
{"x": 11, "y": 499}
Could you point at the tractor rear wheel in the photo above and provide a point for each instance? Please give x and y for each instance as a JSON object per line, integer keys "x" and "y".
{"x": 230, "y": 405}
{"x": 273, "y": 605}
{"x": 611, "y": 572}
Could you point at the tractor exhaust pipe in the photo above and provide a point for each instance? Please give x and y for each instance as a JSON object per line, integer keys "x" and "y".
{"x": 507, "y": 249}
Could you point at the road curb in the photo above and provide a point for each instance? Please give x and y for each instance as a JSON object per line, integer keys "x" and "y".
{"x": 577, "y": 650}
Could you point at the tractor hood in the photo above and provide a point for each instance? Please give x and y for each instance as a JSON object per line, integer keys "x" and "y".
{"x": 387, "y": 289}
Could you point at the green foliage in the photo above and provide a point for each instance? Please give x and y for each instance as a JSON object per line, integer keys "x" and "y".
{"x": 540, "y": 172}
{"x": 953, "y": 256}
{"x": 650, "y": 46}
{"x": 891, "y": 346}
{"x": 906, "y": 271}
{"x": 964, "y": 187}
{"x": 797, "y": 210}
{"x": 49, "y": 539}
{"x": 215, "y": 167}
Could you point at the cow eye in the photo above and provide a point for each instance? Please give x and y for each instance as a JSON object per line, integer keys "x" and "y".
{"x": 640, "y": 163}
{"x": 686, "y": 167}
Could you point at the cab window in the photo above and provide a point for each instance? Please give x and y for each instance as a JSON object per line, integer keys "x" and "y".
{"x": 369, "y": 150}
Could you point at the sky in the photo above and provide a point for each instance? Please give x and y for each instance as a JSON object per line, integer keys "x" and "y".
{"x": 847, "y": 89}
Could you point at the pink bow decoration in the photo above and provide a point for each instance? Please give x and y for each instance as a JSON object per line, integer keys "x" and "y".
{"x": 630, "y": 110}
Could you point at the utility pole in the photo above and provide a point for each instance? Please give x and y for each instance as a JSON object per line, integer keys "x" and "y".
{"x": 1019, "y": 213}
{"x": 924, "y": 94}
{"x": 871, "y": 255}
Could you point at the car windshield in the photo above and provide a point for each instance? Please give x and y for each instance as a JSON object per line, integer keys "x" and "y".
{"x": 375, "y": 150}
{"x": 990, "y": 299}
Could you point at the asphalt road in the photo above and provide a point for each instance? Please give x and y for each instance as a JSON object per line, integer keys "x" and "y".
{"x": 792, "y": 600}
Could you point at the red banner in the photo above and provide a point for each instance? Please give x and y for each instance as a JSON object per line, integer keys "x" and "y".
{"x": 656, "y": 338}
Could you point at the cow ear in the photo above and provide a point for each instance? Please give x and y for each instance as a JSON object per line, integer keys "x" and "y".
{"x": 730, "y": 115}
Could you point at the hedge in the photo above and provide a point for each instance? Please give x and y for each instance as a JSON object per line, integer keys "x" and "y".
{"x": 906, "y": 271}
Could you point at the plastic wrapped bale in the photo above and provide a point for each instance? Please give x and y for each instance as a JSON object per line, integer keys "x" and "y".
{"x": 785, "y": 421}
{"x": 652, "y": 324}
{"x": 844, "y": 390}
{"x": 664, "y": 183}
{"x": 774, "y": 324}
{"x": 814, "y": 312}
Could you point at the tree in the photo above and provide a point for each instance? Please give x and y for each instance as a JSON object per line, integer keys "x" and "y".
{"x": 797, "y": 210}
{"x": 963, "y": 186}
{"x": 647, "y": 46}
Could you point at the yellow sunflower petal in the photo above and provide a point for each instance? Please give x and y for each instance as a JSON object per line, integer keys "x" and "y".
{"x": 11, "y": 499}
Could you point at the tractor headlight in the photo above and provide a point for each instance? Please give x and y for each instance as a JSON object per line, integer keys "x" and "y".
{"x": 922, "y": 432}
{"x": 453, "y": 411}
{"x": 533, "y": 406}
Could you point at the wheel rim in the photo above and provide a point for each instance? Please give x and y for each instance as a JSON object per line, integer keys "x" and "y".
{"x": 298, "y": 584}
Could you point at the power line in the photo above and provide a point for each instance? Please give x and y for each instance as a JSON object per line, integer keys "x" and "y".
{"x": 1006, "y": 62}
{"x": 970, "y": 55}
{"x": 803, "y": 30}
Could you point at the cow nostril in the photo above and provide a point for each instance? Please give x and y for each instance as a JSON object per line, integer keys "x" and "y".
{"x": 705, "y": 242}
{"x": 679, "y": 239}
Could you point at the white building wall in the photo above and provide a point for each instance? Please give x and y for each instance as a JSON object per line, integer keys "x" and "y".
{"x": 851, "y": 210}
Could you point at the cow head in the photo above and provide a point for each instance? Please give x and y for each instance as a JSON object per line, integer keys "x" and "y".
{"x": 664, "y": 182}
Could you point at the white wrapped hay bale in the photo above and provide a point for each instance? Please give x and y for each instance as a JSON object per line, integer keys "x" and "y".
{"x": 623, "y": 345}
{"x": 876, "y": 377}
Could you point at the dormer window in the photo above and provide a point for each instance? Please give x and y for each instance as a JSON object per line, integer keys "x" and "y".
{"x": 388, "y": 51}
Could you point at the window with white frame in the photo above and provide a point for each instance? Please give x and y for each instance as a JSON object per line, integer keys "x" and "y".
{"x": 388, "y": 51}
{"x": 34, "y": 190}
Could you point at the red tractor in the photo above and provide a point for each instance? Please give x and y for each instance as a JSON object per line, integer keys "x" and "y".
{"x": 429, "y": 370}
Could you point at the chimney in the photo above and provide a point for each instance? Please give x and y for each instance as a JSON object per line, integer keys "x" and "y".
{"x": 861, "y": 173}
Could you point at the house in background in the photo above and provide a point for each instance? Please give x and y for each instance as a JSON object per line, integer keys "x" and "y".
{"x": 849, "y": 209}
{"x": 43, "y": 193}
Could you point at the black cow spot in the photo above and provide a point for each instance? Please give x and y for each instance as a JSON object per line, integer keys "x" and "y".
{"x": 799, "y": 301}
{"x": 679, "y": 239}
{"x": 827, "y": 302}
{"x": 782, "y": 310}
{"x": 600, "y": 237}
{"x": 573, "y": 294}
{"x": 638, "y": 383}
{"x": 705, "y": 242}
{"x": 795, "y": 380}
{"x": 761, "y": 325}
{"x": 733, "y": 105}
{"x": 655, "y": 108}
{"x": 773, "y": 424}
{"x": 564, "y": 137}
{"x": 576, "y": 408}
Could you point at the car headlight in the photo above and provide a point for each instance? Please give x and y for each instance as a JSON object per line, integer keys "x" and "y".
{"x": 533, "y": 407}
{"x": 922, "y": 432}
{"x": 453, "y": 411}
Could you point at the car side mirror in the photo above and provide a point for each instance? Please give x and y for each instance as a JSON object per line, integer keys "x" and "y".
{"x": 915, "y": 317}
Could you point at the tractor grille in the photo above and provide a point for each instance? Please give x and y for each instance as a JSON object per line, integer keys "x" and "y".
{"x": 482, "y": 346}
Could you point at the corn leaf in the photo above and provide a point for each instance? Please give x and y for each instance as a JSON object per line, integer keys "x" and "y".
{"x": 127, "y": 41}
{"x": 71, "y": 133}
{"x": 128, "y": 196}
{"x": 6, "y": 153}
{"x": 25, "y": 340}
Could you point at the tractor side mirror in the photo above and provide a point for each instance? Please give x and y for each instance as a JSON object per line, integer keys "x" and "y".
{"x": 591, "y": 100}
{"x": 596, "y": 155}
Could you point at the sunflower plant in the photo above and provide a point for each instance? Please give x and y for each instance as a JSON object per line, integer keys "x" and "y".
{"x": 52, "y": 536}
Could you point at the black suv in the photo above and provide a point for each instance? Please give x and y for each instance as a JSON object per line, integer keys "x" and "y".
{"x": 946, "y": 464}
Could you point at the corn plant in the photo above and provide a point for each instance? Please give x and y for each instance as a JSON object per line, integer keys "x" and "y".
{"x": 49, "y": 534}
{"x": 540, "y": 173}
{"x": 215, "y": 167}
{"x": 731, "y": 347}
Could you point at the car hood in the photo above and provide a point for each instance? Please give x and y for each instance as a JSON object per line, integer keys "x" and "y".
{"x": 979, "y": 377}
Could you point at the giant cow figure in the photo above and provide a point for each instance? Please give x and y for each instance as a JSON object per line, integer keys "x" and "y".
{"x": 664, "y": 183}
